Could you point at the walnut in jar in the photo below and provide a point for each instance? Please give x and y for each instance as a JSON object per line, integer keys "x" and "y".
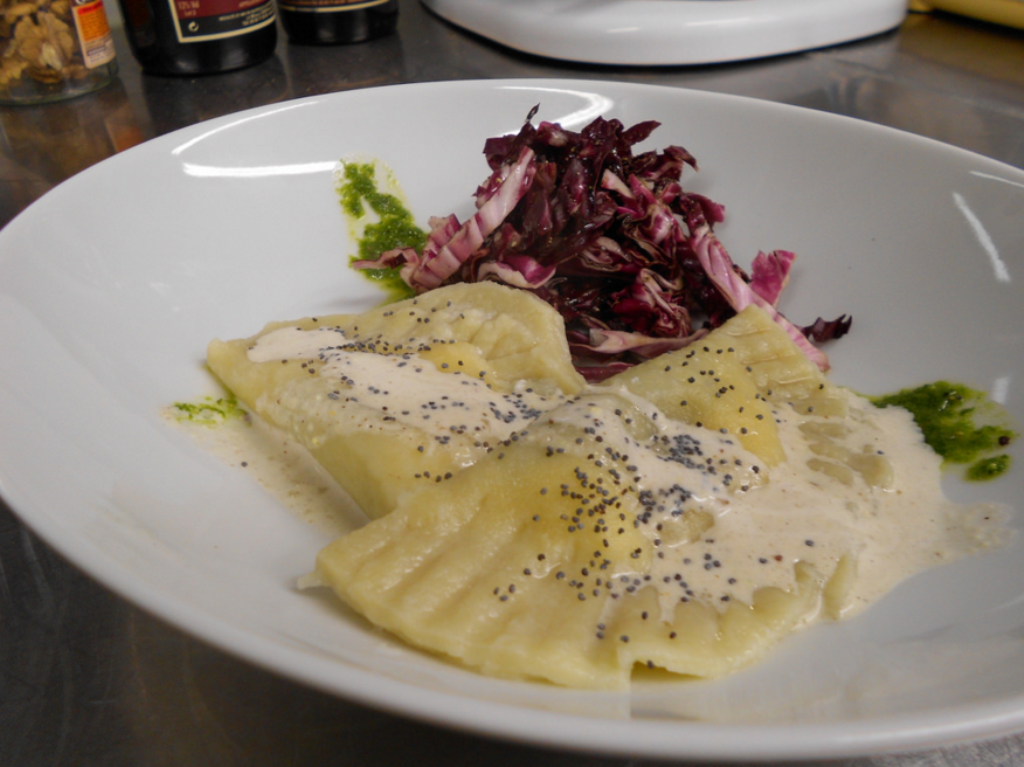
{"x": 53, "y": 48}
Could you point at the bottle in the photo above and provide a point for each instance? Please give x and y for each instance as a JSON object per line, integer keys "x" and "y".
{"x": 54, "y": 49}
{"x": 198, "y": 37}
{"x": 333, "y": 22}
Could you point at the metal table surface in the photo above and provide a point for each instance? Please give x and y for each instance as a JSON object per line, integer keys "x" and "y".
{"x": 88, "y": 679}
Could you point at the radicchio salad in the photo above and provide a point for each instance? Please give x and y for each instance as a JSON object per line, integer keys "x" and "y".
{"x": 609, "y": 238}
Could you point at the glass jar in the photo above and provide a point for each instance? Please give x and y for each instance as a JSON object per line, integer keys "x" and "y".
{"x": 54, "y": 49}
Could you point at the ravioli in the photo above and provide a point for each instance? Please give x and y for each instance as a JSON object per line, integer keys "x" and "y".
{"x": 501, "y": 348}
{"x": 684, "y": 515}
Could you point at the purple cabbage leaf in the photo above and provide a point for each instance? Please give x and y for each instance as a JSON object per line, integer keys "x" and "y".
{"x": 610, "y": 239}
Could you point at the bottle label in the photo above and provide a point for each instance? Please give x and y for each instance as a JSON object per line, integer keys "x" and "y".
{"x": 94, "y": 36}
{"x": 328, "y": 6}
{"x": 197, "y": 21}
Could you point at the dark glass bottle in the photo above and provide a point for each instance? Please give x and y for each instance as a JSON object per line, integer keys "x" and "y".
{"x": 334, "y": 22}
{"x": 197, "y": 37}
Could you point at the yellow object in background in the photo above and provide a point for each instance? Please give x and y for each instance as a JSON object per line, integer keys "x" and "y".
{"x": 1008, "y": 12}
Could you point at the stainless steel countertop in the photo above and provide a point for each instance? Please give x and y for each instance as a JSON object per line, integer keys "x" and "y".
{"x": 88, "y": 679}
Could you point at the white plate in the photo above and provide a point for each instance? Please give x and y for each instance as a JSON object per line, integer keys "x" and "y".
{"x": 665, "y": 32}
{"x": 112, "y": 284}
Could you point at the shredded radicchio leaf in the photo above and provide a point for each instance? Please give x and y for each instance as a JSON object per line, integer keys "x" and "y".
{"x": 823, "y": 330}
{"x": 610, "y": 239}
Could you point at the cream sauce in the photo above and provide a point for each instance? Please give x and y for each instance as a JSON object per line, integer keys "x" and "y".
{"x": 865, "y": 488}
{"x": 404, "y": 391}
{"x": 806, "y": 510}
{"x": 281, "y": 465}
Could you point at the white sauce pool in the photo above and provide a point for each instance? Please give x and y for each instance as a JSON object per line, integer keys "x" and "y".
{"x": 869, "y": 490}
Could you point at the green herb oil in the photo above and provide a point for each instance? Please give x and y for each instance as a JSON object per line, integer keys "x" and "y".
{"x": 210, "y": 411}
{"x": 378, "y": 221}
{"x": 960, "y": 424}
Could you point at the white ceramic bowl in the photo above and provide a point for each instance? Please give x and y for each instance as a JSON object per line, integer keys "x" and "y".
{"x": 112, "y": 284}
